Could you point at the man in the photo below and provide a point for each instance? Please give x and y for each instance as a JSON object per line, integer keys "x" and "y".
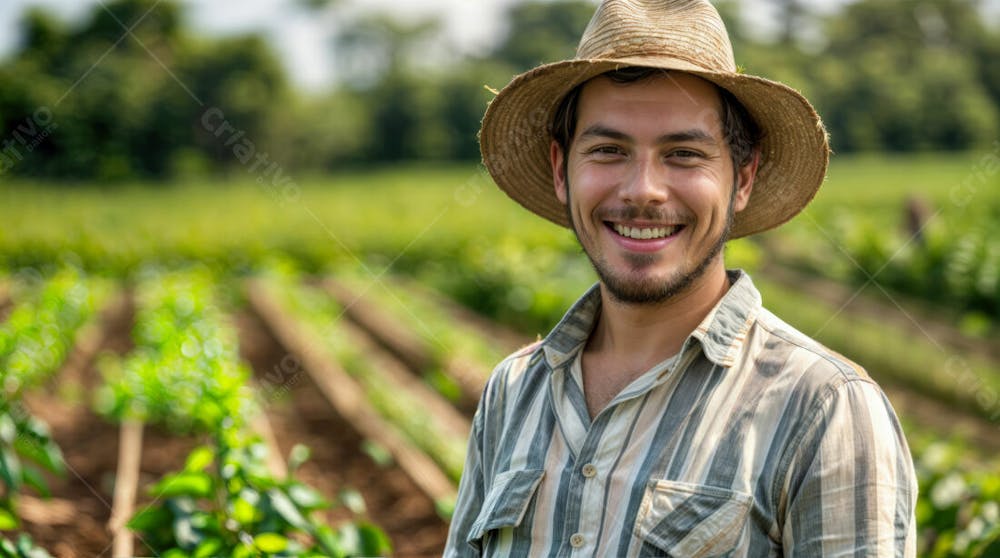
{"x": 668, "y": 413}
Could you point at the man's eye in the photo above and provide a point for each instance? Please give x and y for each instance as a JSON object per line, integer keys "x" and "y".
{"x": 685, "y": 154}
{"x": 606, "y": 150}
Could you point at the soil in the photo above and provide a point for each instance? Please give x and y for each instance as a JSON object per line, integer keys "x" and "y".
{"x": 299, "y": 413}
{"x": 5, "y": 306}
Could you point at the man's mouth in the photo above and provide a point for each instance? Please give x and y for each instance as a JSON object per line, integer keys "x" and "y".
{"x": 645, "y": 233}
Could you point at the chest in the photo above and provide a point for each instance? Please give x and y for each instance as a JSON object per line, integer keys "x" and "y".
{"x": 642, "y": 476}
{"x": 603, "y": 378}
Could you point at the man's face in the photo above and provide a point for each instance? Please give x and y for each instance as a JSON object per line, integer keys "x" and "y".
{"x": 649, "y": 183}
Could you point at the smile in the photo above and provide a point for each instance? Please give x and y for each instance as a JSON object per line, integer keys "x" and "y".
{"x": 646, "y": 233}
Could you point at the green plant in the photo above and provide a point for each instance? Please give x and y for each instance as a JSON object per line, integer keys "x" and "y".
{"x": 225, "y": 502}
{"x": 26, "y": 450}
{"x": 41, "y": 329}
{"x": 34, "y": 342}
{"x": 185, "y": 371}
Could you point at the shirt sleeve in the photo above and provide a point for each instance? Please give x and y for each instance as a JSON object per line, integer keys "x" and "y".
{"x": 470, "y": 496}
{"x": 851, "y": 487}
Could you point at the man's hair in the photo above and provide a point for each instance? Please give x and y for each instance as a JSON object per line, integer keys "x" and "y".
{"x": 739, "y": 129}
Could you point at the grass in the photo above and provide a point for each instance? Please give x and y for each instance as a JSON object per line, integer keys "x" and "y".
{"x": 349, "y": 212}
{"x": 354, "y": 216}
{"x": 875, "y": 183}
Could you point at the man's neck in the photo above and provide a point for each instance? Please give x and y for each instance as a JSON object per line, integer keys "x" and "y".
{"x": 641, "y": 335}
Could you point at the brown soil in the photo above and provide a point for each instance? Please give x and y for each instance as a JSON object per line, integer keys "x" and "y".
{"x": 5, "y": 306}
{"x": 299, "y": 413}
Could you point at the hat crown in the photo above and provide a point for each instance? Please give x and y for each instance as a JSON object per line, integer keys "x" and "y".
{"x": 687, "y": 30}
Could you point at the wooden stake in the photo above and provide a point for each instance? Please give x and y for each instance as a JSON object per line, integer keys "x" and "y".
{"x": 275, "y": 460}
{"x": 126, "y": 483}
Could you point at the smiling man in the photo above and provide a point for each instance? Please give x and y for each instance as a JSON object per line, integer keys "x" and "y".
{"x": 669, "y": 413}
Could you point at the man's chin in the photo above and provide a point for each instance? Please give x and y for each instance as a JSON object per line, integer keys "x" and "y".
{"x": 644, "y": 290}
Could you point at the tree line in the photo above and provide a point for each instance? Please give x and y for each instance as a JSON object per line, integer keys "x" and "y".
{"x": 91, "y": 102}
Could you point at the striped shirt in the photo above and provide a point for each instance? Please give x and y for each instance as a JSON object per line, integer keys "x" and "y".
{"x": 753, "y": 441}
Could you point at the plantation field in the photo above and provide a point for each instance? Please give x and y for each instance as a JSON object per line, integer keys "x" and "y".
{"x": 210, "y": 336}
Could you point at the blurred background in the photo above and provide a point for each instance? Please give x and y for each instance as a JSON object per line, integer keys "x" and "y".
{"x": 270, "y": 198}
{"x": 324, "y": 85}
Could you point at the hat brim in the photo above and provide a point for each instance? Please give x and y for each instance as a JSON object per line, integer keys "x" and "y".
{"x": 516, "y": 136}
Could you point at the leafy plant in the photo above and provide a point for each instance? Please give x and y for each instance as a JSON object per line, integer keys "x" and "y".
{"x": 185, "y": 371}
{"x": 41, "y": 329}
{"x": 225, "y": 502}
{"x": 34, "y": 342}
{"x": 26, "y": 449}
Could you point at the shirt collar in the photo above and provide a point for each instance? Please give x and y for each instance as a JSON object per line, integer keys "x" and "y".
{"x": 724, "y": 330}
{"x": 721, "y": 334}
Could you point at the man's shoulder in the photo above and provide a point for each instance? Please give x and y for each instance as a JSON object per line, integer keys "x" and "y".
{"x": 819, "y": 364}
{"x": 517, "y": 367}
{"x": 518, "y": 362}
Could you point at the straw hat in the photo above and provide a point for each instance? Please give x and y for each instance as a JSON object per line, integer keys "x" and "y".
{"x": 684, "y": 35}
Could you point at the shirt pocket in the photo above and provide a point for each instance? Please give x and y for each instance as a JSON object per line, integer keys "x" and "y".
{"x": 691, "y": 520}
{"x": 505, "y": 503}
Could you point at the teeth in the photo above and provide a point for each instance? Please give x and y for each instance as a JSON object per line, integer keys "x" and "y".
{"x": 645, "y": 233}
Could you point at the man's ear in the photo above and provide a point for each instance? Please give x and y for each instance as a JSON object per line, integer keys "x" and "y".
{"x": 556, "y": 157}
{"x": 744, "y": 181}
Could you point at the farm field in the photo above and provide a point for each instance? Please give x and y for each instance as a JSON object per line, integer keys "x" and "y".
{"x": 359, "y": 315}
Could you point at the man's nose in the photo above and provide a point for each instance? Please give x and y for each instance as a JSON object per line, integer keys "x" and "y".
{"x": 645, "y": 185}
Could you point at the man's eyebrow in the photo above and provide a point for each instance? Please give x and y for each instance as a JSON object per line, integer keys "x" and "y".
{"x": 695, "y": 135}
{"x": 599, "y": 130}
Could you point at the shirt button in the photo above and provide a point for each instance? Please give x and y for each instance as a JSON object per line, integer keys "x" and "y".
{"x": 577, "y": 540}
{"x": 589, "y": 471}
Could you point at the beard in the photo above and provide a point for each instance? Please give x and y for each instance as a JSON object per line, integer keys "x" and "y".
{"x": 649, "y": 290}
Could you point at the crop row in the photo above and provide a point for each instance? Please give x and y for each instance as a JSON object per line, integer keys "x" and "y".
{"x": 185, "y": 373}
{"x": 953, "y": 262}
{"x": 42, "y": 329}
{"x": 411, "y": 408}
{"x": 451, "y": 348}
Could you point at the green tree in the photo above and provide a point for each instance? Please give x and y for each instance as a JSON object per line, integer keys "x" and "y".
{"x": 126, "y": 104}
{"x": 540, "y": 32}
{"x": 896, "y": 75}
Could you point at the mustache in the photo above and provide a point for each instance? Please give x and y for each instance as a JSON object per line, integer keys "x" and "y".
{"x": 647, "y": 213}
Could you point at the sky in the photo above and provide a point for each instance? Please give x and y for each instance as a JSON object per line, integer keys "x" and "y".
{"x": 302, "y": 38}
